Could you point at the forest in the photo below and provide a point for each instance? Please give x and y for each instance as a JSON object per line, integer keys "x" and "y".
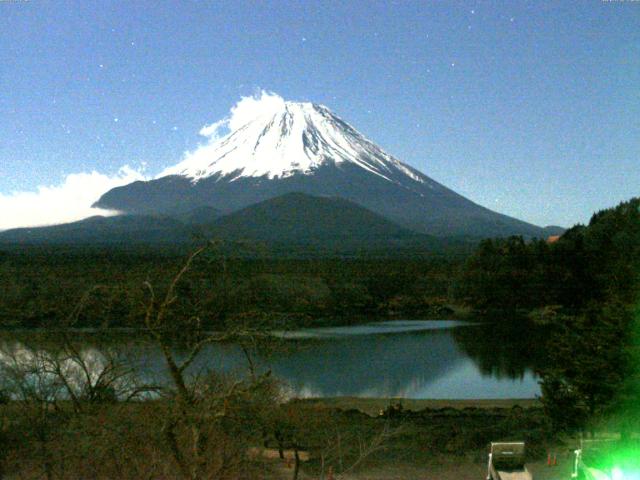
{"x": 40, "y": 284}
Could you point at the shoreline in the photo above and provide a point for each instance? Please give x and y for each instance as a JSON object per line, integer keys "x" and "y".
{"x": 303, "y": 326}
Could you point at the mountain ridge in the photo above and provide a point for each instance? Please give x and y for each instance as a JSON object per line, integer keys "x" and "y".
{"x": 306, "y": 148}
{"x": 294, "y": 223}
{"x": 303, "y": 218}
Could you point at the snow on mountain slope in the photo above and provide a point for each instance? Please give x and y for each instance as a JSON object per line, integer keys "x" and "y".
{"x": 275, "y": 147}
{"x": 287, "y": 139}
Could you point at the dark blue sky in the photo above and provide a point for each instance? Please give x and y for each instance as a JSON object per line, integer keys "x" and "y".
{"x": 529, "y": 108}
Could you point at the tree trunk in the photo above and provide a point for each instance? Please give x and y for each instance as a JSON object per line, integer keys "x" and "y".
{"x": 280, "y": 445}
{"x": 172, "y": 442}
{"x": 592, "y": 411}
{"x": 296, "y": 468}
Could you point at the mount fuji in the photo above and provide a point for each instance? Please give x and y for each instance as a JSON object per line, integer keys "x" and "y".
{"x": 305, "y": 148}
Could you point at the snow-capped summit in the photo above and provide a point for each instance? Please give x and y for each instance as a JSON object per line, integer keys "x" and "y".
{"x": 273, "y": 147}
{"x": 288, "y": 139}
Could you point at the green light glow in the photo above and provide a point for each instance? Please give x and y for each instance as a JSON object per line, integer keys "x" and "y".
{"x": 612, "y": 460}
{"x": 616, "y": 474}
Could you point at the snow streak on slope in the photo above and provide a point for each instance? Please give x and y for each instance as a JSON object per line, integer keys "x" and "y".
{"x": 284, "y": 139}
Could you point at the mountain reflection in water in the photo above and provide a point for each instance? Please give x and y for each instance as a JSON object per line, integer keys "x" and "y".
{"x": 411, "y": 359}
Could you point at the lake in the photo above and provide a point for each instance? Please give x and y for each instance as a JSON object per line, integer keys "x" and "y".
{"x": 410, "y": 359}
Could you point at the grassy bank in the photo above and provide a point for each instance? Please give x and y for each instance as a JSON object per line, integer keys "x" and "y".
{"x": 426, "y": 438}
{"x": 346, "y": 434}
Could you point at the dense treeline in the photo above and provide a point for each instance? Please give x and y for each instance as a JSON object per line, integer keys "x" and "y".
{"x": 588, "y": 264}
{"x": 40, "y": 285}
{"x": 584, "y": 289}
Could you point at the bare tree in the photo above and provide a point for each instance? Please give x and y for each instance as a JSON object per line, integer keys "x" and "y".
{"x": 51, "y": 382}
{"x": 37, "y": 395}
{"x": 202, "y": 410}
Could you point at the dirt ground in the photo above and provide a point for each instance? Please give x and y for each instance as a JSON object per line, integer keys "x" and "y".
{"x": 447, "y": 470}
{"x": 463, "y": 471}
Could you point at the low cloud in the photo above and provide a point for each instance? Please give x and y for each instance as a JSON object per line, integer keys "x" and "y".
{"x": 67, "y": 202}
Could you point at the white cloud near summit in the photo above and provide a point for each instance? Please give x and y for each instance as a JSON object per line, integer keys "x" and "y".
{"x": 213, "y": 131}
{"x": 67, "y": 202}
{"x": 244, "y": 111}
{"x": 257, "y": 106}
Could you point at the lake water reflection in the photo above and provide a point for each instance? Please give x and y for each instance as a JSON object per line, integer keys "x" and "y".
{"x": 411, "y": 359}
